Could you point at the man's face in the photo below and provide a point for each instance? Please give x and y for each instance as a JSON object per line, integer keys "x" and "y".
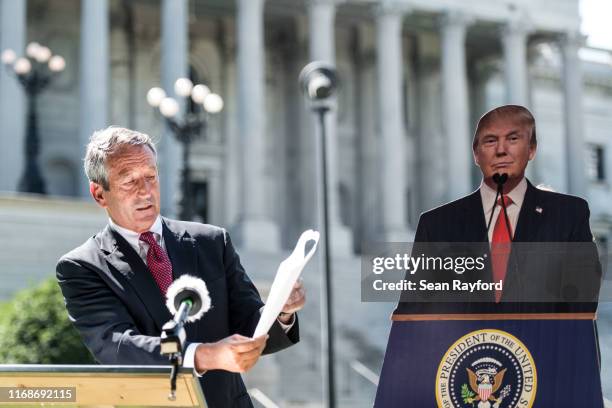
{"x": 132, "y": 200}
{"x": 504, "y": 147}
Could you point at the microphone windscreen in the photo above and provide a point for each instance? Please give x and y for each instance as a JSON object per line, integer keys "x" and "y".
{"x": 188, "y": 288}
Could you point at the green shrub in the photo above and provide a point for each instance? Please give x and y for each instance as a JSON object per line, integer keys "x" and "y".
{"x": 35, "y": 329}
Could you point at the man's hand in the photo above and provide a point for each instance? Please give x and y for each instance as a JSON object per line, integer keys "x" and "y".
{"x": 235, "y": 353}
{"x": 296, "y": 301}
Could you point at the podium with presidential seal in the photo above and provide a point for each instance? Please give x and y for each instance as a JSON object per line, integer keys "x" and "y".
{"x": 491, "y": 360}
{"x": 462, "y": 338}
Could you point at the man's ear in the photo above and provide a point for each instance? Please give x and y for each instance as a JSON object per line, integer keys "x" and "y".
{"x": 532, "y": 151}
{"x": 97, "y": 193}
{"x": 475, "y": 158}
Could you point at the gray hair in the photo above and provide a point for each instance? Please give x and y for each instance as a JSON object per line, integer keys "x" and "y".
{"x": 105, "y": 143}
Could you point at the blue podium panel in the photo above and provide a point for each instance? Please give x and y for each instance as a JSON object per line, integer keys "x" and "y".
{"x": 491, "y": 363}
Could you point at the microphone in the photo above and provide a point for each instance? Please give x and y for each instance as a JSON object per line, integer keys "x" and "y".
{"x": 498, "y": 179}
{"x": 187, "y": 299}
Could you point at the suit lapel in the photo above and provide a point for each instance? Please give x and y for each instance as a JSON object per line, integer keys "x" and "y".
{"x": 133, "y": 270}
{"x": 527, "y": 230}
{"x": 181, "y": 250}
{"x": 476, "y": 228}
{"x": 528, "y": 220}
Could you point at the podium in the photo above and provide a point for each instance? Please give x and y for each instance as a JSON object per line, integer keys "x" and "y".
{"x": 491, "y": 360}
{"x": 97, "y": 386}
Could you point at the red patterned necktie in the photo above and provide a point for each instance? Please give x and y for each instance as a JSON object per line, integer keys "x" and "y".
{"x": 158, "y": 262}
{"x": 500, "y": 246}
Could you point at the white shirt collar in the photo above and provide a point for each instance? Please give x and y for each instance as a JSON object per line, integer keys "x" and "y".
{"x": 517, "y": 194}
{"x": 132, "y": 237}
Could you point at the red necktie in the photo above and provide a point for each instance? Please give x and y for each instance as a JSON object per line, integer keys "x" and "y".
{"x": 158, "y": 262}
{"x": 500, "y": 246}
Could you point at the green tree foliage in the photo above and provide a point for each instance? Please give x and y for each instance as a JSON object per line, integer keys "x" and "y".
{"x": 35, "y": 329}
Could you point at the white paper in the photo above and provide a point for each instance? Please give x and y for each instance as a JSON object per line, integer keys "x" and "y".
{"x": 287, "y": 275}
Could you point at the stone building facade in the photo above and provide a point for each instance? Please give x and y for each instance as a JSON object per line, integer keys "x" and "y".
{"x": 415, "y": 76}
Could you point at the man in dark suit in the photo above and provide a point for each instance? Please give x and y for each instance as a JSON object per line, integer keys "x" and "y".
{"x": 535, "y": 277}
{"x": 114, "y": 284}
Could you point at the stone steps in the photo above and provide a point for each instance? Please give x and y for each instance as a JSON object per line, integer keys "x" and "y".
{"x": 35, "y": 232}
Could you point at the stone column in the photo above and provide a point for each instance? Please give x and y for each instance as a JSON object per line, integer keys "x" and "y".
{"x": 573, "y": 113}
{"x": 231, "y": 167}
{"x": 321, "y": 19}
{"x": 455, "y": 104}
{"x": 367, "y": 205}
{"x": 174, "y": 65}
{"x": 94, "y": 73}
{"x": 430, "y": 140}
{"x": 257, "y": 230}
{"x": 12, "y": 98}
{"x": 514, "y": 40}
{"x": 389, "y": 64}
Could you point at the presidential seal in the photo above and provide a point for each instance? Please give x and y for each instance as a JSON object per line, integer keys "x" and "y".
{"x": 486, "y": 369}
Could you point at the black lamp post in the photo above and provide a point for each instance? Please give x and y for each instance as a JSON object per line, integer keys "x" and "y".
{"x": 35, "y": 72}
{"x": 188, "y": 128}
{"x": 318, "y": 82}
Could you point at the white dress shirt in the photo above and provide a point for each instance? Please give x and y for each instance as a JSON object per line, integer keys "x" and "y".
{"x": 487, "y": 194}
{"x": 133, "y": 238}
{"x": 141, "y": 248}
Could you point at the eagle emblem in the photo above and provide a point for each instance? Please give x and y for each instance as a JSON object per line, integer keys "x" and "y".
{"x": 485, "y": 380}
{"x": 487, "y": 368}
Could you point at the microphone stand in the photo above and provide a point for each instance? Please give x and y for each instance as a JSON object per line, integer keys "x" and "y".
{"x": 499, "y": 180}
{"x": 500, "y": 191}
{"x": 173, "y": 342}
{"x": 512, "y": 257}
{"x": 492, "y": 211}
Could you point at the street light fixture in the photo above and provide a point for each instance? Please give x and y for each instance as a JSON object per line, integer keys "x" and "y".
{"x": 188, "y": 128}
{"x": 318, "y": 81}
{"x": 35, "y": 71}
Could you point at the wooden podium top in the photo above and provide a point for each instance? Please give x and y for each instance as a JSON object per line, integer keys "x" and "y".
{"x": 97, "y": 385}
{"x": 492, "y": 316}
